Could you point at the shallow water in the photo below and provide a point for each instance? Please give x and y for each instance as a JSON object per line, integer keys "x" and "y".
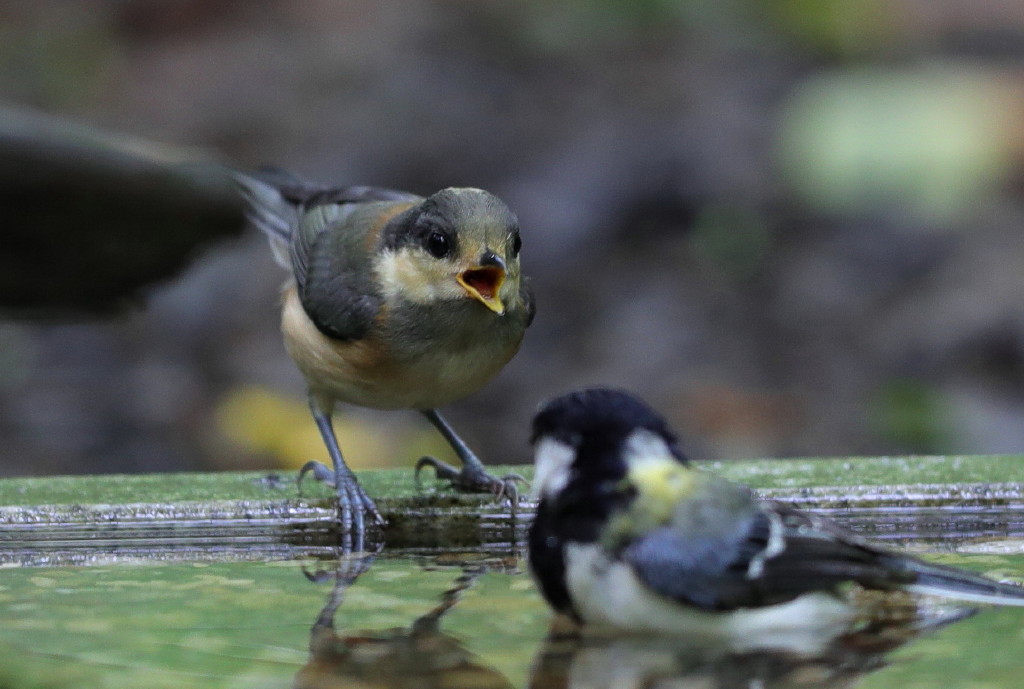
{"x": 304, "y": 618}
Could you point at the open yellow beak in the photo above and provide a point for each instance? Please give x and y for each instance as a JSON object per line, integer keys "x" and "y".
{"x": 483, "y": 284}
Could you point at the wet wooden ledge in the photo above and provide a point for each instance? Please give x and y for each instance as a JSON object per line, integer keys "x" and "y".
{"x": 890, "y": 497}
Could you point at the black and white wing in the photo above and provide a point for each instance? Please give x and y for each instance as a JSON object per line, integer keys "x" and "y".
{"x": 770, "y": 553}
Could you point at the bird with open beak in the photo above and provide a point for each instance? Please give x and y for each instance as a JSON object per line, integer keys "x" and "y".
{"x": 395, "y": 302}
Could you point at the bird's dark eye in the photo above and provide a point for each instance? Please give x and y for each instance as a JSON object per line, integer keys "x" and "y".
{"x": 439, "y": 244}
{"x": 517, "y": 244}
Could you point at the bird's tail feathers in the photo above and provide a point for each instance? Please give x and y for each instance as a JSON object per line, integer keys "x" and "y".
{"x": 961, "y": 585}
{"x": 269, "y": 210}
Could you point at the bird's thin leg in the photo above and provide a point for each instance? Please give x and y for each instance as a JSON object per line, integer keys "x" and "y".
{"x": 466, "y": 456}
{"x": 473, "y": 477}
{"x": 353, "y": 502}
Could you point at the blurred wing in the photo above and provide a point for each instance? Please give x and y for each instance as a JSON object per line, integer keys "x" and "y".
{"x": 268, "y": 211}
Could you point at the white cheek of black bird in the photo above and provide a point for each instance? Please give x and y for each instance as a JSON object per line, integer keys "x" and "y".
{"x": 552, "y": 466}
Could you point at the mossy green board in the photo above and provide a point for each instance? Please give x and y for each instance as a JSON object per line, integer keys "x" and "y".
{"x": 119, "y": 489}
{"x": 269, "y": 508}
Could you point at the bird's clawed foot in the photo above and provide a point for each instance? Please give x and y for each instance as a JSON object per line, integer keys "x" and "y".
{"x": 471, "y": 479}
{"x": 353, "y": 502}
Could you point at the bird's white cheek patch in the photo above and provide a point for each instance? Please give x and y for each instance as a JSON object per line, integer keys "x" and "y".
{"x": 644, "y": 445}
{"x": 552, "y": 462}
{"x": 401, "y": 276}
{"x": 398, "y": 277}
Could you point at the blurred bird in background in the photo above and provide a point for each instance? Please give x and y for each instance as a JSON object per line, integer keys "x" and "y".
{"x": 629, "y": 535}
{"x": 395, "y": 302}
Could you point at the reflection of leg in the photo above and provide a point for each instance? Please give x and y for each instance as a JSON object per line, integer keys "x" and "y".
{"x": 353, "y": 502}
{"x": 449, "y": 598}
{"x": 349, "y": 568}
{"x": 473, "y": 478}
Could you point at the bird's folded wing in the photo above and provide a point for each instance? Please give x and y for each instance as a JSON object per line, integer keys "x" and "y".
{"x": 764, "y": 556}
{"x": 332, "y": 263}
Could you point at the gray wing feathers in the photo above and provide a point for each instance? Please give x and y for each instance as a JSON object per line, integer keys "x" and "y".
{"x": 693, "y": 570}
{"x": 755, "y": 554}
{"x": 320, "y": 233}
{"x": 311, "y": 239}
{"x": 270, "y": 212}
{"x": 333, "y": 273}
{"x": 776, "y": 553}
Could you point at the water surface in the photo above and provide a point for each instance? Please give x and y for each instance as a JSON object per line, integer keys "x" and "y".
{"x": 305, "y": 618}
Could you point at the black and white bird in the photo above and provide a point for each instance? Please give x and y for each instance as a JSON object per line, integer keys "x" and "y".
{"x": 630, "y": 536}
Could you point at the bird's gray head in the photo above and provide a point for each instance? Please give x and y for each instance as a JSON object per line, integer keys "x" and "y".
{"x": 457, "y": 243}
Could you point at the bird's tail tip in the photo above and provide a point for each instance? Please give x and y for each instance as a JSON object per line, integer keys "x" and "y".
{"x": 969, "y": 587}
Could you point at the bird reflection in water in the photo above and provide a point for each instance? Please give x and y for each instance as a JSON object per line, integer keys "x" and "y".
{"x": 422, "y": 656}
{"x": 419, "y": 656}
{"x": 576, "y": 658}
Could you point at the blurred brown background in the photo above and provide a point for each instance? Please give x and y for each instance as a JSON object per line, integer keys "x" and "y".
{"x": 796, "y": 227}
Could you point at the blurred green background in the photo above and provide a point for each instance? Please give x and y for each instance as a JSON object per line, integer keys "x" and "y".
{"x": 794, "y": 226}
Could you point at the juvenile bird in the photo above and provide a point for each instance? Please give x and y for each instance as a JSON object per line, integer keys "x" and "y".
{"x": 628, "y": 535}
{"x": 395, "y": 302}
